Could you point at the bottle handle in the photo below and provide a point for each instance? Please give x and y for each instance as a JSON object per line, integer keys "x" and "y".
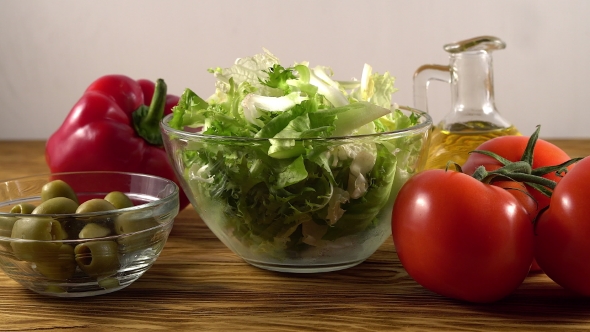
{"x": 422, "y": 77}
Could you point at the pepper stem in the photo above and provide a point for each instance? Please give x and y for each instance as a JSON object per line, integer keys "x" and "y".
{"x": 146, "y": 120}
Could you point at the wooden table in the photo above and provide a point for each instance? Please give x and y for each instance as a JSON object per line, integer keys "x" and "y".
{"x": 198, "y": 284}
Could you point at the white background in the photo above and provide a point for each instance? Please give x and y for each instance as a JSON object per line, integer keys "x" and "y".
{"x": 51, "y": 50}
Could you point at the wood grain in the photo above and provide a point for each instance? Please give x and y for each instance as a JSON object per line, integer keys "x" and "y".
{"x": 198, "y": 284}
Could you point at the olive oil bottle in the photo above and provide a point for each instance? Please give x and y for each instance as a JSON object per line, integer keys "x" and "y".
{"x": 474, "y": 118}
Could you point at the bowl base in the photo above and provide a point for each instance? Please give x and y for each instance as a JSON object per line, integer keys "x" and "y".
{"x": 303, "y": 268}
{"x": 57, "y": 292}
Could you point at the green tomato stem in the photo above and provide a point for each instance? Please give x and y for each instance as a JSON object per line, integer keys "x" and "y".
{"x": 527, "y": 155}
{"x": 558, "y": 169}
{"x": 523, "y": 171}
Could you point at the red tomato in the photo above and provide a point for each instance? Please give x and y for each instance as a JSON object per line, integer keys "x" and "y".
{"x": 512, "y": 148}
{"x": 562, "y": 245}
{"x": 520, "y": 192}
{"x": 461, "y": 238}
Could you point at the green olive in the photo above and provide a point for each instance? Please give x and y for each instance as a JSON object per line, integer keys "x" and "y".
{"x": 58, "y": 188}
{"x": 56, "y": 205}
{"x": 95, "y": 205}
{"x": 60, "y": 266}
{"x": 118, "y": 199}
{"x": 23, "y": 208}
{"x": 93, "y": 230}
{"x": 6, "y": 224}
{"x": 133, "y": 224}
{"x": 97, "y": 258}
{"x": 36, "y": 228}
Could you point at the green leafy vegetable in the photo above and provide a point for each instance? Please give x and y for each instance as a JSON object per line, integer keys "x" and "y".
{"x": 290, "y": 186}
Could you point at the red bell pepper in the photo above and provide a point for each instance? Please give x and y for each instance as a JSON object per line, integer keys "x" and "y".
{"x": 112, "y": 128}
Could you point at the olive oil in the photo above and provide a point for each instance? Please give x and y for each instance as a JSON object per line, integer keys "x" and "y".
{"x": 455, "y": 144}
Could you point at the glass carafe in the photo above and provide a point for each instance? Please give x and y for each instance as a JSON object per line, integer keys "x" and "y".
{"x": 474, "y": 118}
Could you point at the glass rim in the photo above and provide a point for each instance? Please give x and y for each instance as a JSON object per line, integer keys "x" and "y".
{"x": 144, "y": 206}
{"x": 422, "y": 126}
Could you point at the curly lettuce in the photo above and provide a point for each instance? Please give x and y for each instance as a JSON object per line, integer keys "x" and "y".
{"x": 281, "y": 191}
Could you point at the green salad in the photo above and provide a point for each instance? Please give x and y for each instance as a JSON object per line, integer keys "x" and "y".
{"x": 290, "y": 185}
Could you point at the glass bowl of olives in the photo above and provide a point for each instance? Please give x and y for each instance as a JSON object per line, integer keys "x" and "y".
{"x": 83, "y": 233}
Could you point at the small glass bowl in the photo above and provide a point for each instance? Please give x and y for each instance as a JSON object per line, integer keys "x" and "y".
{"x": 318, "y": 213}
{"x": 121, "y": 247}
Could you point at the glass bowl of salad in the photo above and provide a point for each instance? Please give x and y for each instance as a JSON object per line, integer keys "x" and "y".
{"x": 83, "y": 234}
{"x": 292, "y": 170}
